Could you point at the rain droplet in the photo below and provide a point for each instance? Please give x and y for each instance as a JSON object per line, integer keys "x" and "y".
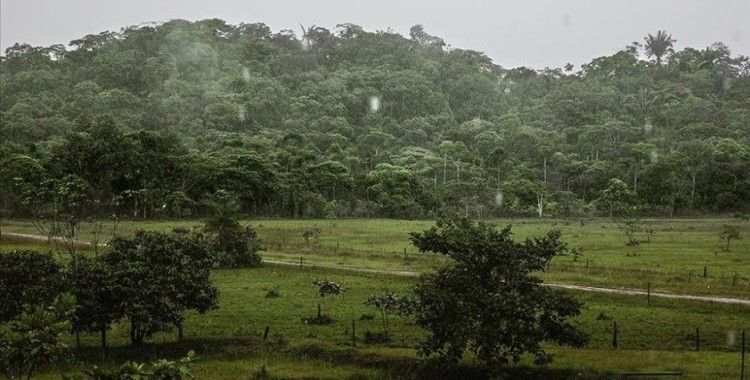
{"x": 374, "y": 104}
{"x": 246, "y": 74}
{"x": 499, "y": 199}
{"x": 648, "y": 127}
{"x": 654, "y": 156}
{"x": 731, "y": 337}
{"x": 726, "y": 83}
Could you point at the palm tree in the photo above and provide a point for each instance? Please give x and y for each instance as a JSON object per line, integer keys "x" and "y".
{"x": 659, "y": 45}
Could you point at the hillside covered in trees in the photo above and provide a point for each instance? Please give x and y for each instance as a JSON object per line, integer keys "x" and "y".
{"x": 155, "y": 121}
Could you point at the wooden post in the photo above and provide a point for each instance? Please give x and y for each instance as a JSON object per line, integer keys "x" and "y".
{"x": 705, "y": 271}
{"x": 734, "y": 279}
{"x": 697, "y": 339}
{"x": 300, "y": 261}
{"x": 648, "y": 294}
{"x": 265, "y": 333}
{"x": 104, "y": 342}
{"x": 354, "y": 335}
{"x": 614, "y": 334}
{"x": 742, "y": 357}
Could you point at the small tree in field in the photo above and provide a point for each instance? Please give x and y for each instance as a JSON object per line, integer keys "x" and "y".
{"x": 97, "y": 299}
{"x": 326, "y": 289}
{"x": 630, "y": 227}
{"x": 387, "y": 303}
{"x": 235, "y": 246}
{"x": 488, "y": 301}
{"x": 158, "y": 277}
{"x": 728, "y": 233}
{"x": 576, "y": 253}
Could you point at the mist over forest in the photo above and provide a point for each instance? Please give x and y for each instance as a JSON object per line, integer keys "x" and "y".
{"x": 156, "y": 121}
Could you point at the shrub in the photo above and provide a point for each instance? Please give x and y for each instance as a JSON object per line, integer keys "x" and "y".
{"x": 240, "y": 249}
{"x": 158, "y": 370}
{"x": 28, "y": 278}
{"x": 377, "y": 337}
{"x": 273, "y": 292}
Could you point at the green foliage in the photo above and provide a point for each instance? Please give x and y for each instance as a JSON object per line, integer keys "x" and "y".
{"x": 35, "y": 338}
{"x": 728, "y": 233}
{"x": 488, "y": 301}
{"x": 153, "y": 121}
{"x": 328, "y": 288}
{"x": 28, "y": 278}
{"x": 235, "y": 246}
{"x": 97, "y": 298}
{"x": 387, "y": 303}
{"x": 158, "y": 370}
{"x": 157, "y": 277}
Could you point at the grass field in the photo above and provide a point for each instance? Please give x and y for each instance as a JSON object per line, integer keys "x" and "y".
{"x": 659, "y": 336}
{"x": 656, "y": 337}
{"x": 672, "y": 259}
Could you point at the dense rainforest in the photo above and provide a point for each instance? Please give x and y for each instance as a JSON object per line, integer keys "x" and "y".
{"x": 159, "y": 120}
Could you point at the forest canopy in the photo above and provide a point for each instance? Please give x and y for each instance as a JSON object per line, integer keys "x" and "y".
{"x": 154, "y": 121}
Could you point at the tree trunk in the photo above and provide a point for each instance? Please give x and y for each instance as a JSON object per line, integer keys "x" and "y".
{"x": 104, "y": 341}
{"x": 540, "y": 204}
{"x": 692, "y": 192}
{"x": 445, "y": 167}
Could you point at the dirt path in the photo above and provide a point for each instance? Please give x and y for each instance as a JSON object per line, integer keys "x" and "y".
{"x": 630, "y": 292}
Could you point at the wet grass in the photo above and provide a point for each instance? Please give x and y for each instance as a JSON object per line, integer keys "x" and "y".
{"x": 655, "y": 336}
{"x": 672, "y": 258}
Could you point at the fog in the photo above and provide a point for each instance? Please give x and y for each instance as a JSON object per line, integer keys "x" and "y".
{"x": 513, "y": 33}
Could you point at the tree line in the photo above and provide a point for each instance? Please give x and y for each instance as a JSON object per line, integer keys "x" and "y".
{"x": 155, "y": 121}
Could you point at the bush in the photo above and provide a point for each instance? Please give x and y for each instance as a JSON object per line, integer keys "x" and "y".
{"x": 28, "y": 277}
{"x": 240, "y": 249}
{"x": 273, "y": 292}
{"x": 158, "y": 370}
{"x": 377, "y": 337}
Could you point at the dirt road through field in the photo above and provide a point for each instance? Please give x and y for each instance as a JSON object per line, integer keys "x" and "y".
{"x": 631, "y": 292}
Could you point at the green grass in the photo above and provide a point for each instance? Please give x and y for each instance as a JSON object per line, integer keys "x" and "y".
{"x": 653, "y": 337}
{"x": 672, "y": 259}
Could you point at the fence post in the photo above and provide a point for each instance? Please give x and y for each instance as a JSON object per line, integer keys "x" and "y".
{"x": 300, "y": 261}
{"x": 734, "y": 279}
{"x": 648, "y": 294}
{"x": 354, "y": 335}
{"x": 742, "y": 357}
{"x": 265, "y": 333}
{"x": 614, "y": 334}
{"x": 697, "y": 339}
{"x": 705, "y": 271}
